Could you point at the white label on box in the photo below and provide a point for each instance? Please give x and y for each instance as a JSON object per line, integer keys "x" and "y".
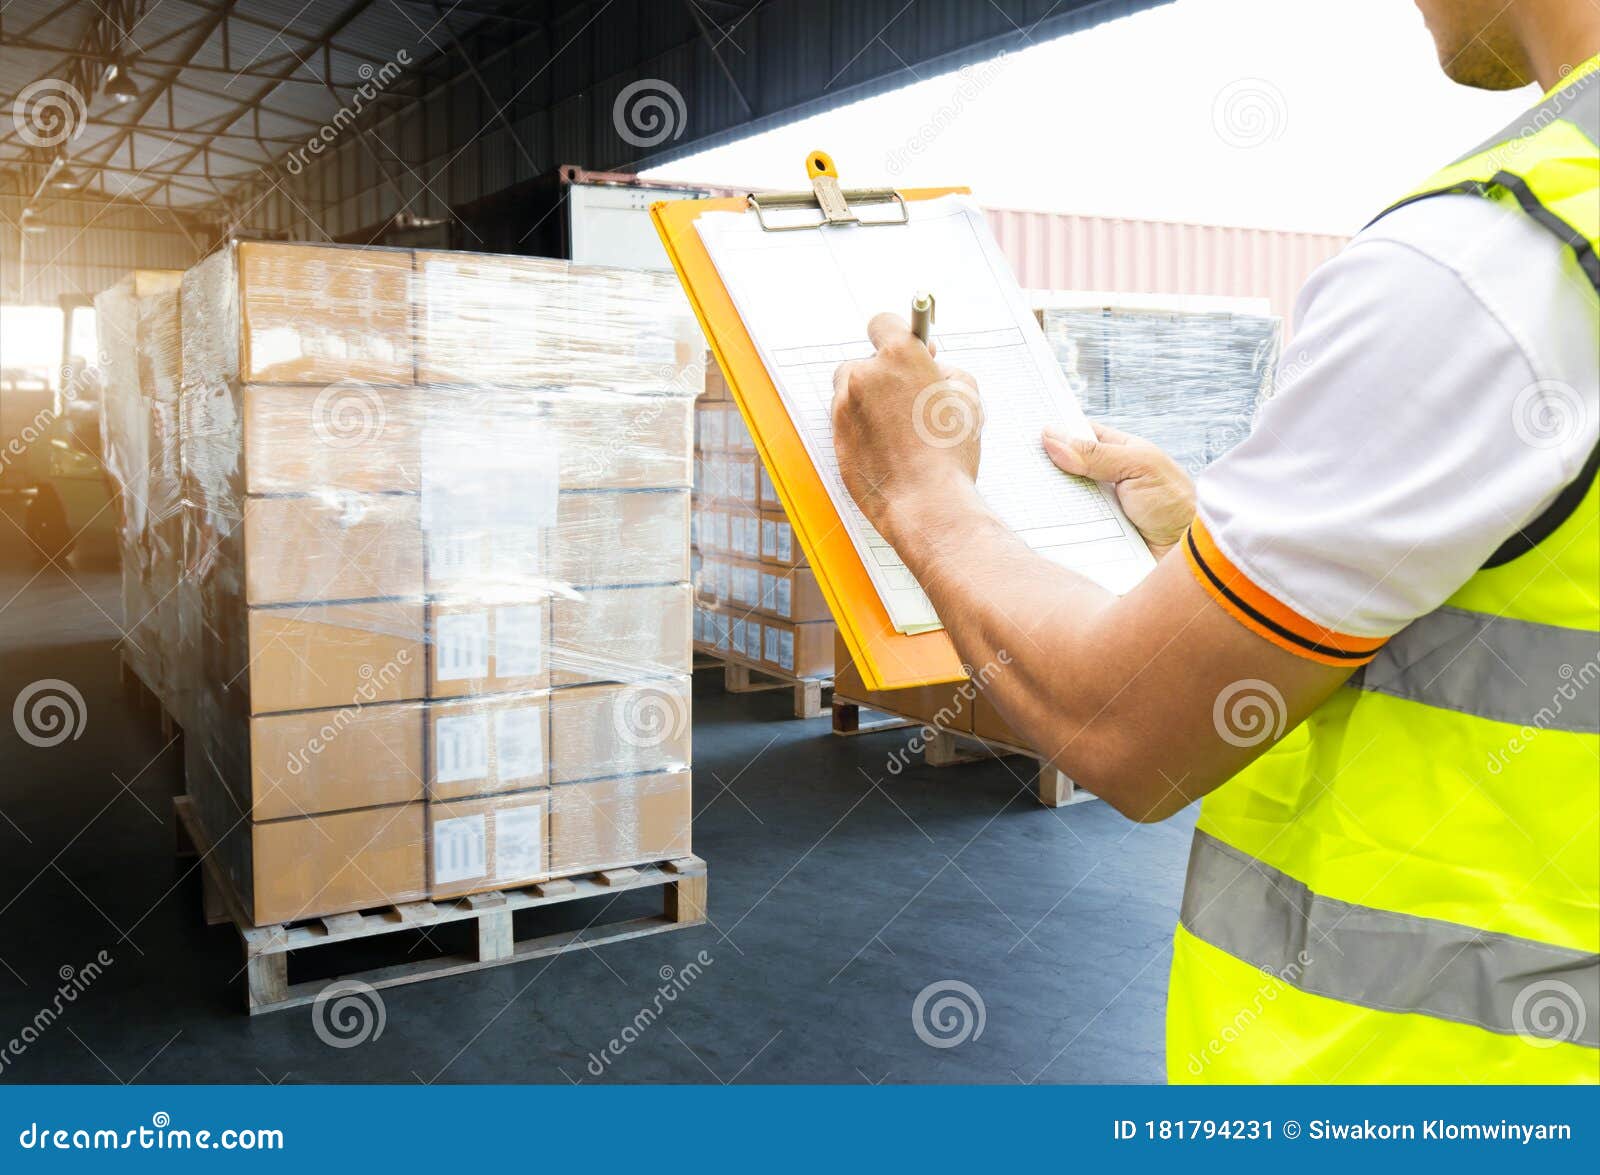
{"x": 460, "y": 849}
{"x": 722, "y": 632}
{"x": 786, "y": 650}
{"x": 771, "y": 650}
{"x": 454, "y": 555}
{"x": 487, "y": 477}
{"x": 519, "y": 743}
{"x": 747, "y": 482}
{"x": 519, "y": 842}
{"x": 514, "y": 556}
{"x": 784, "y": 601}
{"x": 461, "y": 748}
{"x": 461, "y": 646}
{"x": 753, "y": 641}
{"x": 518, "y": 641}
{"x": 769, "y": 492}
{"x": 785, "y": 542}
{"x": 769, "y": 538}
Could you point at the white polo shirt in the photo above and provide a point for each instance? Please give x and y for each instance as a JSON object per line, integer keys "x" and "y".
{"x": 1442, "y": 387}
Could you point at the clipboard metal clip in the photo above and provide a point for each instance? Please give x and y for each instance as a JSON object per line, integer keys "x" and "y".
{"x": 828, "y": 198}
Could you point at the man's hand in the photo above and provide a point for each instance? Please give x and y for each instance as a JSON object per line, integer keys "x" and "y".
{"x": 905, "y": 428}
{"x": 1154, "y": 491}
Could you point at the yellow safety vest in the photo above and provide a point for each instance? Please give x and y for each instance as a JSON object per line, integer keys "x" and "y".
{"x": 1406, "y": 888}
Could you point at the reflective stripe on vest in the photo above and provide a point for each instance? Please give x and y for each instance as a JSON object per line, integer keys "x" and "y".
{"x": 1379, "y": 959}
{"x": 1538, "y": 675}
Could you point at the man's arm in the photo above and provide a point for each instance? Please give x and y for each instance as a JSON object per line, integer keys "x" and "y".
{"x": 1149, "y": 700}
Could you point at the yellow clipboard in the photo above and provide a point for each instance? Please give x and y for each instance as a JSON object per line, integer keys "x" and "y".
{"x": 885, "y": 658}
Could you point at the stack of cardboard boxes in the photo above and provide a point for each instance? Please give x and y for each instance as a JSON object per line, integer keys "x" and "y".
{"x": 438, "y": 608}
{"x": 137, "y": 324}
{"x": 758, "y": 603}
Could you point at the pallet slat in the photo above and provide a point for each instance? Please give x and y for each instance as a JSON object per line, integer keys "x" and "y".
{"x": 267, "y": 948}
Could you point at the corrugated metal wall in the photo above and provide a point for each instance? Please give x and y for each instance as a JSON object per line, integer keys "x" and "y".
{"x": 1057, "y": 251}
{"x": 86, "y": 246}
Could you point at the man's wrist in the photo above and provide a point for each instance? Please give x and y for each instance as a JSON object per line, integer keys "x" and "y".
{"x": 919, "y": 517}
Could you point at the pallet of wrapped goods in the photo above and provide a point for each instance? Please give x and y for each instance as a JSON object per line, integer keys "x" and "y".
{"x": 438, "y": 610}
{"x": 759, "y": 613}
{"x": 137, "y": 324}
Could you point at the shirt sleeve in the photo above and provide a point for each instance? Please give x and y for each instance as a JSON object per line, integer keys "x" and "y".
{"x": 1389, "y": 465}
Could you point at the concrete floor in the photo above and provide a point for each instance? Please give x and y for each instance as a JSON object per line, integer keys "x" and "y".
{"x": 837, "y": 893}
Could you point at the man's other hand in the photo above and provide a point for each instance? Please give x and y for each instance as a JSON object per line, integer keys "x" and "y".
{"x": 906, "y": 429}
{"x": 1154, "y": 491}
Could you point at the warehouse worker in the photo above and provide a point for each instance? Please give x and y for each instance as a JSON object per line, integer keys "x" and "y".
{"x": 1373, "y": 642}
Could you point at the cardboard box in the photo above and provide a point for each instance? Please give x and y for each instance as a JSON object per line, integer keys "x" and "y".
{"x": 322, "y": 656}
{"x": 336, "y": 547}
{"x": 486, "y": 561}
{"x": 311, "y": 314}
{"x": 481, "y": 746}
{"x": 598, "y": 731}
{"x": 486, "y": 844}
{"x": 778, "y": 544}
{"x": 314, "y": 761}
{"x": 951, "y": 705}
{"x": 486, "y": 648}
{"x": 791, "y": 593}
{"x": 331, "y": 864}
{"x": 345, "y": 436}
{"x": 608, "y": 538}
{"x": 630, "y": 328}
{"x": 799, "y": 650}
{"x": 614, "y": 823}
{"x": 746, "y": 636}
{"x": 715, "y": 387}
{"x": 711, "y": 427}
{"x": 766, "y": 493}
{"x": 742, "y": 483}
{"x": 621, "y": 634}
{"x": 743, "y": 586}
{"x": 608, "y": 441}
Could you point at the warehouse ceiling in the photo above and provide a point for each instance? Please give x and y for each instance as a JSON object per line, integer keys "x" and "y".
{"x": 322, "y": 118}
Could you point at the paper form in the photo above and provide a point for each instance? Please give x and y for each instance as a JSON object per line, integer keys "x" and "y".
{"x": 806, "y": 297}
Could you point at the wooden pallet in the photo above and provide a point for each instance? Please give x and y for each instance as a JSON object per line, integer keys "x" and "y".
{"x": 131, "y": 679}
{"x": 948, "y": 748}
{"x": 267, "y": 948}
{"x": 744, "y": 677}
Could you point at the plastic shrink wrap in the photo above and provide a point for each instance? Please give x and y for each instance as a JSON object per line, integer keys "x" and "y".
{"x": 1188, "y": 381}
{"x": 137, "y": 324}
{"x": 757, "y": 603}
{"x": 436, "y": 612}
